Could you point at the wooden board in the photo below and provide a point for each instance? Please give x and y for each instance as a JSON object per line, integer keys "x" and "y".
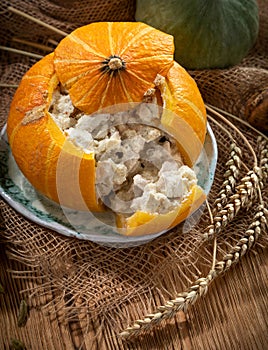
{"x": 232, "y": 315}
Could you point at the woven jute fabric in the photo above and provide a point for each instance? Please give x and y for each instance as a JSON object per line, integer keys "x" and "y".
{"x": 89, "y": 281}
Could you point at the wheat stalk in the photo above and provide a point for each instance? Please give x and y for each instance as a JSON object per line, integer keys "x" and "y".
{"x": 238, "y": 120}
{"x": 200, "y": 286}
{"x": 21, "y": 52}
{"x": 32, "y": 44}
{"x": 52, "y": 41}
{"x": 231, "y": 125}
{"x": 38, "y": 21}
{"x": 4, "y": 85}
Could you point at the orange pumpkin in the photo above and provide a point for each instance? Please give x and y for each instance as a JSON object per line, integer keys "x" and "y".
{"x": 102, "y": 65}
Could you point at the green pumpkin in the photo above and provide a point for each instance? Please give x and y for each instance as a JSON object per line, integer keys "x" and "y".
{"x": 207, "y": 33}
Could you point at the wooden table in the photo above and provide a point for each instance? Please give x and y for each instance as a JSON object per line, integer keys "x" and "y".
{"x": 232, "y": 315}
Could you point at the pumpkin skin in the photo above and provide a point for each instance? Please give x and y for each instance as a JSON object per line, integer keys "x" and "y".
{"x": 37, "y": 143}
{"x": 50, "y": 162}
{"x": 178, "y": 92}
{"x": 207, "y": 33}
{"x": 83, "y": 56}
{"x": 141, "y": 223}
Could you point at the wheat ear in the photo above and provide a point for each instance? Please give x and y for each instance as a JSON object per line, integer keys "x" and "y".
{"x": 231, "y": 176}
{"x": 246, "y": 191}
{"x": 200, "y": 287}
{"x": 179, "y": 304}
{"x": 263, "y": 150}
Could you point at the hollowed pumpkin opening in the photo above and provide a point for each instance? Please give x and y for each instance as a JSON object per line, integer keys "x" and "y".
{"x": 138, "y": 164}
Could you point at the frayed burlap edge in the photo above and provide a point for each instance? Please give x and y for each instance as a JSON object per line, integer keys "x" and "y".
{"x": 80, "y": 280}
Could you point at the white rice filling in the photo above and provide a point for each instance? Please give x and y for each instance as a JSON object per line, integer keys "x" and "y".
{"x": 138, "y": 166}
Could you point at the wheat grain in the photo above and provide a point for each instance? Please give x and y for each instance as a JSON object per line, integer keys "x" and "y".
{"x": 181, "y": 302}
{"x": 231, "y": 176}
{"x": 245, "y": 243}
{"x": 23, "y": 314}
{"x": 262, "y": 145}
{"x": 246, "y": 191}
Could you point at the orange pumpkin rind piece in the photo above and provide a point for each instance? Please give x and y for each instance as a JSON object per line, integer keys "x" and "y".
{"x": 142, "y": 223}
{"x": 184, "y": 113}
{"x": 38, "y": 144}
{"x": 108, "y": 63}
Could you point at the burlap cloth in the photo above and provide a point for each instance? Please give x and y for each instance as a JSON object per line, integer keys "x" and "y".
{"x": 88, "y": 281}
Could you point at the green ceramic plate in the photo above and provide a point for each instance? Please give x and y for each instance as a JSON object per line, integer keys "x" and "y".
{"x": 21, "y": 195}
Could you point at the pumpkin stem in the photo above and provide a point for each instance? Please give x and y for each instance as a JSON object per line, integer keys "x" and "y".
{"x": 113, "y": 64}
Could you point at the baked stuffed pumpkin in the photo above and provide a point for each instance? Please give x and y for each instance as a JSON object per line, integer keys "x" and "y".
{"x": 109, "y": 121}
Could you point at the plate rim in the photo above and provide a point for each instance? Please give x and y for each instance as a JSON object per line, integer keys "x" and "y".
{"x": 69, "y": 232}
